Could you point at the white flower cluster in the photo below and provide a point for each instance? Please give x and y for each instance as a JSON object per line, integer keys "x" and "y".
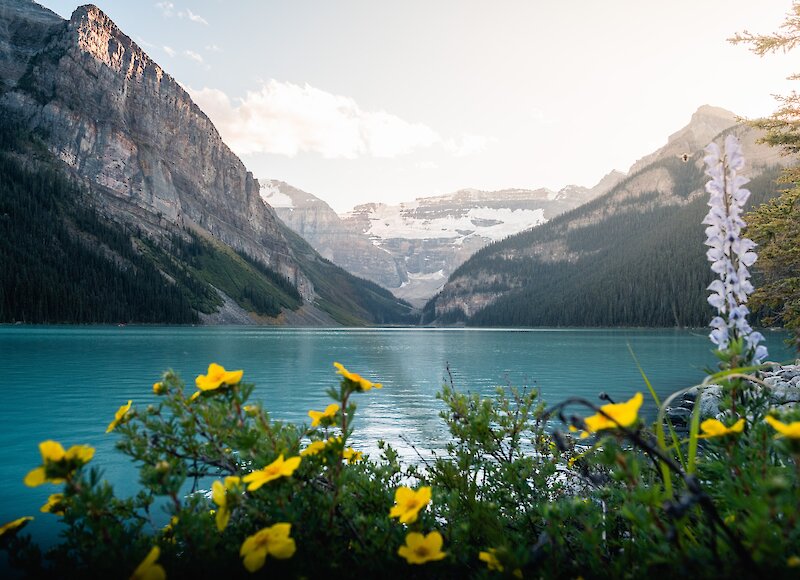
{"x": 729, "y": 253}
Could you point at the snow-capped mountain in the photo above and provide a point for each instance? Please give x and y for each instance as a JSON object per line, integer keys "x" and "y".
{"x": 431, "y": 236}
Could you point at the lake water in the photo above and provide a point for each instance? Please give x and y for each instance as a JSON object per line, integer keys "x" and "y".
{"x": 65, "y": 383}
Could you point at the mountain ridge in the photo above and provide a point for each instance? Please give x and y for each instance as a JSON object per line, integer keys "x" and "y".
{"x": 532, "y": 278}
{"x": 150, "y": 159}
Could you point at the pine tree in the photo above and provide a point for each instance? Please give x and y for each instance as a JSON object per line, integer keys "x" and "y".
{"x": 775, "y": 226}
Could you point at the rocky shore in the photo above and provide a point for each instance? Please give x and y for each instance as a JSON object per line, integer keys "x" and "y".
{"x": 781, "y": 387}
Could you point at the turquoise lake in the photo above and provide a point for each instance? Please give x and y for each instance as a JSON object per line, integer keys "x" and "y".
{"x": 65, "y": 383}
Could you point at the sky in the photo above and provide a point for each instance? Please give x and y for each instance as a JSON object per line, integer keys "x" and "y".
{"x": 359, "y": 101}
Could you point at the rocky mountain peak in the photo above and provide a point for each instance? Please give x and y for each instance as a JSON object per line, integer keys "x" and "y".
{"x": 25, "y": 27}
{"x": 705, "y": 124}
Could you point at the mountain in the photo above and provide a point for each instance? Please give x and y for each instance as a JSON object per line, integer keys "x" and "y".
{"x": 317, "y": 223}
{"x": 431, "y": 236}
{"x": 82, "y": 102}
{"x": 633, "y": 256}
{"x": 412, "y": 247}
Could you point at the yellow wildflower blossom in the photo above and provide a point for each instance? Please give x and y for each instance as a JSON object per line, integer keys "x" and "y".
{"x": 420, "y": 549}
{"x": 54, "y": 505}
{"x": 119, "y": 416}
{"x": 313, "y": 448}
{"x": 318, "y": 416}
{"x": 351, "y": 455}
{"x": 715, "y": 428}
{"x": 793, "y": 561}
{"x": 219, "y": 496}
{"x": 621, "y": 415}
{"x": 273, "y": 541}
{"x": 159, "y": 388}
{"x": 490, "y": 557}
{"x": 169, "y": 529}
{"x": 790, "y": 430}
{"x": 276, "y": 469}
{"x": 408, "y": 503}
{"x": 215, "y": 378}
{"x": 362, "y": 383}
{"x": 80, "y": 453}
{"x": 54, "y": 456}
{"x": 149, "y": 569}
{"x": 251, "y": 410}
{"x": 14, "y": 526}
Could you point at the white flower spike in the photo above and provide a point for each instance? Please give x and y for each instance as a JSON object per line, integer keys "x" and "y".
{"x": 729, "y": 253}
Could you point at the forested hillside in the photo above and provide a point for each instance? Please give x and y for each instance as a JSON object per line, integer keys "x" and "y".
{"x": 63, "y": 262}
{"x": 640, "y": 266}
{"x": 60, "y": 261}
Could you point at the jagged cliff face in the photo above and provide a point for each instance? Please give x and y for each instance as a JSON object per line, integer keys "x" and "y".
{"x": 651, "y": 183}
{"x": 24, "y": 28}
{"x": 319, "y": 225}
{"x": 127, "y": 129}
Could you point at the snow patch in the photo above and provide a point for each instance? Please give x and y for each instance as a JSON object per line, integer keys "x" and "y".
{"x": 491, "y": 223}
{"x": 272, "y": 194}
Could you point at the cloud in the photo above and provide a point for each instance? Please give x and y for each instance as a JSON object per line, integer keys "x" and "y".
{"x": 287, "y": 119}
{"x": 213, "y": 48}
{"x": 193, "y": 17}
{"x": 193, "y": 56}
{"x": 167, "y": 8}
{"x": 168, "y": 11}
{"x": 170, "y": 51}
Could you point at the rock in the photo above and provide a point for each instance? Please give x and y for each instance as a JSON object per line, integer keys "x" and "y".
{"x": 320, "y": 226}
{"x": 679, "y": 415}
{"x": 782, "y": 393}
{"x": 709, "y": 401}
{"x": 133, "y": 135}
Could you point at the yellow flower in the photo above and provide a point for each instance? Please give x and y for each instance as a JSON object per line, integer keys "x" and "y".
{"x": 621, "y": 415}
{"x": 170, "y": 527}
{"x": 490, "y": 557}
{"x": 216, "y": 377}
{"x": 408, "y": 503}
{"x": 148, "y": 569}
{"x": 419, "y": 549}
{"x": 159, "y": 388}
{"x": 351, "y": 455}
{"x": 273, "y": 541}
{"x": 793, "y": 561}
{"x": 251, "y": 410}
{"x": 790, "y": 430}
{"x": 14, "y": 526}
{"x": 362, "y": 383}
{"x": 54, "y": 505}
{"x": 329, "y": 413}
{"x": 118, "y": 416}
{"x": 54, "y": 457}
{"x": 80, "y": 453}
{"x": 714, "y": 428}
{"x": 313, "y": 448}
{"x": 276, "y": 469}
{"x": 219, "y": 495}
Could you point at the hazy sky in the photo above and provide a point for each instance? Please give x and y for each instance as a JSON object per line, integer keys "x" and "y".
{"x": 371, "y": 100}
